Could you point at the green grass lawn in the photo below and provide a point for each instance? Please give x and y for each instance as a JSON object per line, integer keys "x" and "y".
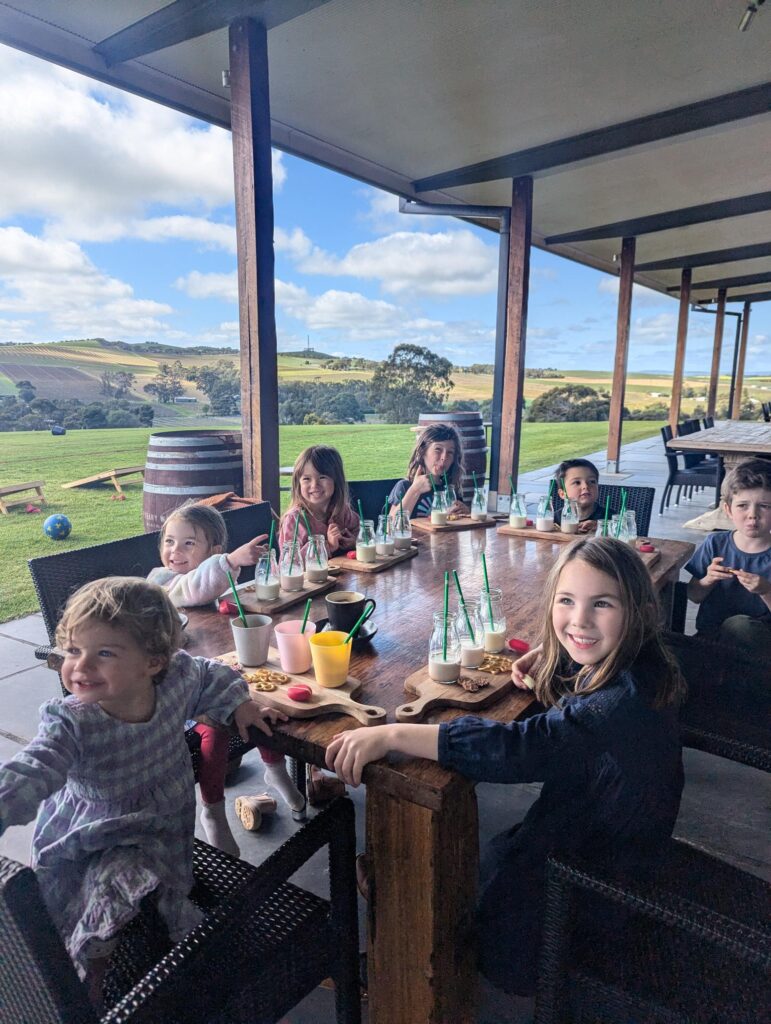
{"x": 369, "y": 452}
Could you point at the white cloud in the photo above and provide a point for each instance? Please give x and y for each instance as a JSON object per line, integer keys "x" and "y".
{"x": 57, "y": 278}
{"x": 641, "y": 295}
{"x": 209, "y": 286}
{"x": 416, "y": 262}
{"x": 87, "y": 158}
{"x": 295, "y": 242}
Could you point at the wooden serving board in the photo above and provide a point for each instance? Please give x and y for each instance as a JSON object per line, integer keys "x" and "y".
{"x": 431, "y": 695}
{"x": 463, "y": 523}
{"x": 556, "y": 536}
{"x": 285, "y": 599}
{"x": 325, "y": 701}
{"x": 342, "y": 562}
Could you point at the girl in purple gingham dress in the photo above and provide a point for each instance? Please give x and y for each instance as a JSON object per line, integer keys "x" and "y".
{"x": 112, "y": 770}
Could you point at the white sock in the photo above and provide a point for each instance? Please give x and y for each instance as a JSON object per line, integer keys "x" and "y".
{"x": 277, "y": 776}
{"x": 215, "y": 825}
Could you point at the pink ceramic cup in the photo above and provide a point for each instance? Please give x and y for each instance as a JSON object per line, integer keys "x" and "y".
{"x": 294, "y": 651}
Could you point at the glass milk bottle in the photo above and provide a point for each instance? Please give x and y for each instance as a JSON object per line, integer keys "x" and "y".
{"x": 479, "y": 504}
{"x": 366, "y": 550}
{"x": 384, "y": 539}
{"x": 291, "y": 568}
{"x": 439, "y": 509}
{"x": 518, "y": 512}
{"x": 630, "y": 521}
{"x": 444, "y": 661}
{"x": 493, "y": 620}
{"x": 545, "y": 516}
{"x": 316, "y": 559}
{"x": 569, "y": 518}
{"x": 401, "y": 530}
{"x": 471, "y": 635}
{"x": 266, "y": 581}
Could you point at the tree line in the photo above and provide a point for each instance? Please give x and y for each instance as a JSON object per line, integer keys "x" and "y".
{"x": 25, "y": 411}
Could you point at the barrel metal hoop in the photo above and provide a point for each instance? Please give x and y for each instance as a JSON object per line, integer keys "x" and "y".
{"x": 175, "y": 441}
{"x": 192, "y": 467}
{"x": 219, "y": 488}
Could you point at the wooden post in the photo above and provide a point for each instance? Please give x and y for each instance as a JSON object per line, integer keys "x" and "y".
{"x": 616, "y": 417}
{"x": 516, "y": 331}
{"x": 682, "y": 335}
{"x": 250, "y": 124}
{"x": 736, "y": 405}
{"x": 714, "y": 376}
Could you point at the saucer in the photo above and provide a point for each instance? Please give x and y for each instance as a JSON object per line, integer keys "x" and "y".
{"x": 366, "y": 631}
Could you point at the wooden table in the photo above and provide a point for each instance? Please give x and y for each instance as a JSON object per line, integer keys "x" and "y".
{"x": 422, "y": 829}
{"x": 732, "y": 440}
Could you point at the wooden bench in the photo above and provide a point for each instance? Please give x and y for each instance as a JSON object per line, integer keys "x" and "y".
{"x": 110, "y": 475}
{"x": 32, "y": 485}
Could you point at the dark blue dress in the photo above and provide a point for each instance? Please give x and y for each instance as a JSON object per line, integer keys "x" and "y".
{"x": 612, "y": 771}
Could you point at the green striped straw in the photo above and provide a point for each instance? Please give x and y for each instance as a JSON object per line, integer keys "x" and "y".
{"x": 605, "y": 520}
{"x": 238, "y": 599}
{"x": 621, "y": 514}
{"x": 270, "y": 548}
{"x": 463, "y": 604}
{"x": 511, "y": 484}
{"x": 385, "y": 518}
{"x": 307, "y": 613}
{"x": 294, "y": 542}
{"x": 446, "y": 604}
{"x": 312, "y": 538}
{"x": 356, "y": 625}
{"x": 551, "y": 491}
{"x": 487, "y": 588}
{"x": 446, "y": 485}
{"x": 431, "y": 481}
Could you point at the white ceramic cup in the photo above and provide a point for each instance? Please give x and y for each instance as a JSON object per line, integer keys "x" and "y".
{"x": 253, "y": 640}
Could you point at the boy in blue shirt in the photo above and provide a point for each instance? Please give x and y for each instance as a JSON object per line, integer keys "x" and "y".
{"x": 731, "y": 570}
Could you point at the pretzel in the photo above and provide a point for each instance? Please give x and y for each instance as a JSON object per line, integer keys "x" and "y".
{"x": 262, "y": 686}
{"x": 266, "y": 675}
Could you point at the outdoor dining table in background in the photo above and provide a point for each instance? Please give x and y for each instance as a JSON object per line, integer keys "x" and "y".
{"x": 732, "y": 440}
{"x": 422, "y": 828}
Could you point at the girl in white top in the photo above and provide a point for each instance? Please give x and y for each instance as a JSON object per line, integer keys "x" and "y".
{"x": 194, "y": 572}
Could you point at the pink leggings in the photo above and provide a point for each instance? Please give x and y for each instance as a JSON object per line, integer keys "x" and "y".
{"x": 214, "y": 762}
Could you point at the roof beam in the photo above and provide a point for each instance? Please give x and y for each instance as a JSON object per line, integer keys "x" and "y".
{"x": 664, "y": 124}
{"x": 188, "y": 19}
{"x": 727, "y": 282}
{"x": 750, "y": 297}
{"x": 709, "y": 259}
{"x": 720, "y": 210}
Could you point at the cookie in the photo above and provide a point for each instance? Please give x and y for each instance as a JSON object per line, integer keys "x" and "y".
{"x": 496, "y": 664}
{"x": 472, "y": 685}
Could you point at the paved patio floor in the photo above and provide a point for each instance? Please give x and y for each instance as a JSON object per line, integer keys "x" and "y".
{"x": 724, "y": 807}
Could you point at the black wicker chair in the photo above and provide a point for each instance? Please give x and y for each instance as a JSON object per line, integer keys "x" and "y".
{"x": 728, "y": 708}
{"x": 707, "y": 476}
{"x": 694, "y": 947}
{"x": 263, "y": 945}
{"x": 766, "y": 409}
{"x": 371, "y": 494}
{"x": 59, "y": 575}
{"x": 638, "y": 500}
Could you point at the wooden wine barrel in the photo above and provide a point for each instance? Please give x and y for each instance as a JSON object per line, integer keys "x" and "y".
{"x": 186, "y": 464}
{"x": 472, "y": 434}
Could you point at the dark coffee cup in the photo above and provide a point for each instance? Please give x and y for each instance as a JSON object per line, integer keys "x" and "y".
{"x": 344, "y": 608}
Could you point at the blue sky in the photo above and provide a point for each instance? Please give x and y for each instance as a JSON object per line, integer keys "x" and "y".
{"x": 116, "y": 220}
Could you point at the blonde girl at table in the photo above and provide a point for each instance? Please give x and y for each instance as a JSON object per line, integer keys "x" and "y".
{"x": 110, "y": 772}
{"x": 437, "y": 452}
{"x": 319, "y": 489}
{"x": 606, "y": 749}
{"x": 194, "y": 572}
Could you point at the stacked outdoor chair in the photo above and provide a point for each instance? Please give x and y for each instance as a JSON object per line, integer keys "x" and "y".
{"x": 638, "y": 500}
{"x": 57, "y": 576}
{"x": 371, "y": 494}
{"x": 708, "y": 475}
{"x": 766, "y": 408}
{"x": 263, "y": 945}
{"x": 691, "y": 947}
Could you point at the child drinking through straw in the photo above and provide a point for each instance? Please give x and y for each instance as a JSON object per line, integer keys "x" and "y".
{"x": 320, "y": 499}
{"x": 607, "y": 748}
{"x": 112, "y": 771}
{"x": 731, "y": 570}
{"x": 438, "y": 454}
{"x": 578, "y": 480}
{"x": 194, "y": 571}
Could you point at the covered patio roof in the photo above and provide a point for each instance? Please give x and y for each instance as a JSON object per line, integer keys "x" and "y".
{"x": 634, "y": 119}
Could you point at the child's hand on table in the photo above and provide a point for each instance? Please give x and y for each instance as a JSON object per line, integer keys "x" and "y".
{"x": 755, "y": 584}
{"x": 248, "y": 713}
{"x": 587, "y": 526}
{"x": 334, "y": 536}
{"x": 716, "y": 571}
{"x": 349, "y": 752}
{"x": 523, "y": 668}
{"x": 459, "y": 509}
{"x": 249, "y": 553}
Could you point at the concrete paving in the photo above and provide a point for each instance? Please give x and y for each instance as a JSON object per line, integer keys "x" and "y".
{"x": 724, "y": 807}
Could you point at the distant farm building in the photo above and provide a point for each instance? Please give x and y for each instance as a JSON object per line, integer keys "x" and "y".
{"x": 184, "y": 400}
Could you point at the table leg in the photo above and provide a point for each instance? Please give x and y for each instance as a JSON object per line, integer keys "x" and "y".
{"x": 423, "y": 883}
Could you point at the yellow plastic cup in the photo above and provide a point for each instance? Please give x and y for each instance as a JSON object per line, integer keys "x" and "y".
{"x": 331, "y": 657}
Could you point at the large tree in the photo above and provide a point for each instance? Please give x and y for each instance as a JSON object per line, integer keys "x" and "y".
{"x": 412, "y": 380}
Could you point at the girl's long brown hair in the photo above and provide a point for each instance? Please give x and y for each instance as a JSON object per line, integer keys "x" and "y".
{"x": 432, "y": 433}
{"x": 641, "y": 628}
{"x": 325, "y": 460}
